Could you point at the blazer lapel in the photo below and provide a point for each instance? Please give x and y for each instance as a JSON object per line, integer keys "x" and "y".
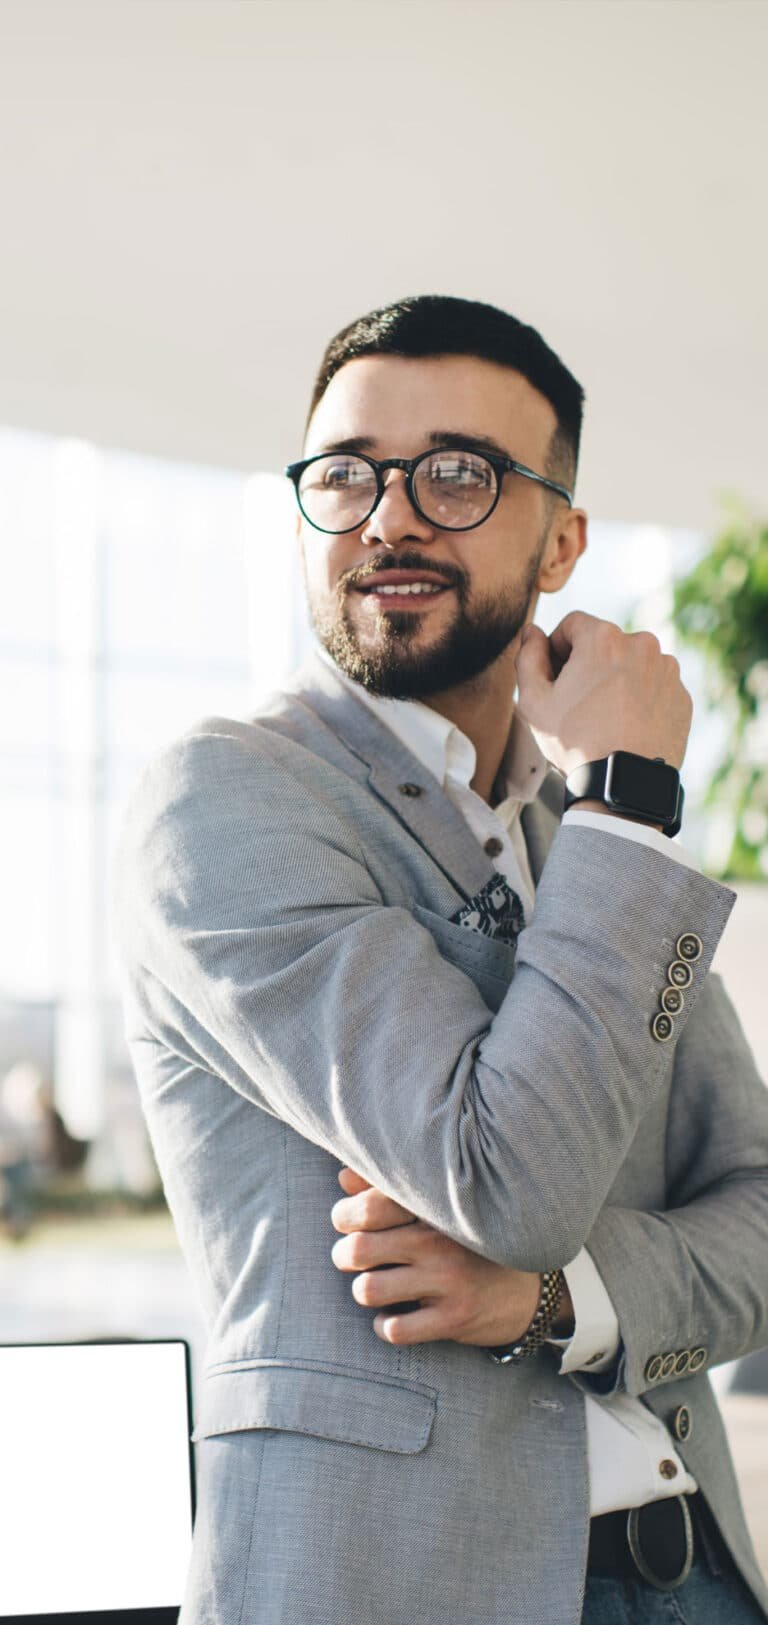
{"x": 407, "y": 787}
{"x": 541, "y": 820}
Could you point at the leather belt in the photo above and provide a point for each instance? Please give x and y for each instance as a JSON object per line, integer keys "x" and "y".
{"x": 658, "y": 1542}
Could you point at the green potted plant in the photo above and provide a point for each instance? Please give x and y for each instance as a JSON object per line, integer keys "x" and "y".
{"x": 721, "y": 609}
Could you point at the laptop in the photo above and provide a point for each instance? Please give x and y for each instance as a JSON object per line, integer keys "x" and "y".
{"x": 96, "y": 1481}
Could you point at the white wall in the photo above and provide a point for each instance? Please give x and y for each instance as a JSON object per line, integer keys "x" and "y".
{"x": 195, "y": 194}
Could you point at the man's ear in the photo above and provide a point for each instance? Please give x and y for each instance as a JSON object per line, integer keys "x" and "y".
{"x": 565, "y": 545}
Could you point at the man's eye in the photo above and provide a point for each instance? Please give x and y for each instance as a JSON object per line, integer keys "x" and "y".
{"x": 340, "y": 476}
{"x": 460, "y": 471}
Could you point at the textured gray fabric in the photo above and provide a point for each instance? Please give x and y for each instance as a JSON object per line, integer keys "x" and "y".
{"x": 297, "y": 998}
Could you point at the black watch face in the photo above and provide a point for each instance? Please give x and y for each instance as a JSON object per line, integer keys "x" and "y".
{"x": 642, "y": 785}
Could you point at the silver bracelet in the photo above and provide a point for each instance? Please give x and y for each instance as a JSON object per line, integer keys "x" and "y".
{"x": 552, "y": 1289}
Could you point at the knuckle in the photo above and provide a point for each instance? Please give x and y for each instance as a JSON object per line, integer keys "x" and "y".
{"x": 647, "y": 642}
{"x": 609, "y": 635}
{"x": 422, "y": 1234}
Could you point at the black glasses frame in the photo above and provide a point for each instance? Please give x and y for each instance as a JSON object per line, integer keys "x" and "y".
{"x": 500, "y": 465}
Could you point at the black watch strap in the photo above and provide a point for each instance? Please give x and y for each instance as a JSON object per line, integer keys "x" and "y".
{"x": 646, "y": 788}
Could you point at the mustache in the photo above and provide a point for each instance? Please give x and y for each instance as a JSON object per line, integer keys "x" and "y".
{"x": 404, "y": 561}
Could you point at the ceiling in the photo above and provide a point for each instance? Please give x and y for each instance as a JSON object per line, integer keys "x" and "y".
{"x": 196, "y": 194}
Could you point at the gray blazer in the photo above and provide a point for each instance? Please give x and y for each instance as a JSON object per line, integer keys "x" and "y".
{"x": 297, "y": 997}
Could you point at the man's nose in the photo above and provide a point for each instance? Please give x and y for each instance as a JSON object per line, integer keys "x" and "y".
{"x": 395, "y": 519}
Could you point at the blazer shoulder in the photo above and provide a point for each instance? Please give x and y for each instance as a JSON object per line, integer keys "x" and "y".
{"x": 213, "y": 755}
{"x": 227, "y": 780}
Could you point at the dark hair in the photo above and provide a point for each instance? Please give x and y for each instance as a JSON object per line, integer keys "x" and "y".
{"x": 436, "y": 324}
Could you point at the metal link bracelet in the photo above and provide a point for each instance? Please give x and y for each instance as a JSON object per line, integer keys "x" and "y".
{"x": 552, "y": 1288}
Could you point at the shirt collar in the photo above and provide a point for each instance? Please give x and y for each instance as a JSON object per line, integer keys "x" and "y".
{"x": 447, "y": 752}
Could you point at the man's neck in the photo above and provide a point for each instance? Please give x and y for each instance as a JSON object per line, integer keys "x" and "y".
{"x": 483, "y": 709}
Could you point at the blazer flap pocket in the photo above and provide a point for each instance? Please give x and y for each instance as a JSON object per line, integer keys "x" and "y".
{"x": 489, "y": 963}
{"x": 329, "y": 1401}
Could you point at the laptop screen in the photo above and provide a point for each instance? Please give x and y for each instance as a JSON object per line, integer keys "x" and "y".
{"x": 96, "y": 1487}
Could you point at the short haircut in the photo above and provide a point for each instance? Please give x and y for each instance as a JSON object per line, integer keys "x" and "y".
{"x": 436, "y": 324}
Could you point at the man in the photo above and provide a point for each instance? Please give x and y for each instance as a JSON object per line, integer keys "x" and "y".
{"x": 359, "y": 931}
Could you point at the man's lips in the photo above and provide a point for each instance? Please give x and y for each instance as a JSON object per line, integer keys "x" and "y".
{"x": 404, "y": 599}
{"x": 399, "y": 578}
{"x": 380, "y": 587}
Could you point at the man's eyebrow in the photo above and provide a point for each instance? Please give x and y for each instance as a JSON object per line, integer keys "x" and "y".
{"x": 455, "y": 438}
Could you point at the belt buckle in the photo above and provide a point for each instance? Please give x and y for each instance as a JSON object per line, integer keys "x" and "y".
{"x": 641, "y": 1562}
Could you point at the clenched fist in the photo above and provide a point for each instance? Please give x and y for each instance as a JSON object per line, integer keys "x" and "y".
{"x": 590, "y": 689}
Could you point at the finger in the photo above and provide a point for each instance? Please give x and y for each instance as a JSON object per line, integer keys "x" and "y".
{"x": 369, "y": 1210}
{"x": 367, "y": 1249}
{"x": 569, "y": 631}
{"x": 420, "y": 1326}
{"x": 352, "y": 1182}
{"x": 399, "y": 1284}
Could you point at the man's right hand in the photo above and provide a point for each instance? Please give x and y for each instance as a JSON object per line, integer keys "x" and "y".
{"x": 590, "y": 689}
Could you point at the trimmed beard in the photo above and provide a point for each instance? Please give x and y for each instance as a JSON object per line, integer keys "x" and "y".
{"x": 476, "y": 638}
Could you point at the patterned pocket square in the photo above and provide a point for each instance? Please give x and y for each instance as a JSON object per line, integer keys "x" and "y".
{"x": 496, "y": 912}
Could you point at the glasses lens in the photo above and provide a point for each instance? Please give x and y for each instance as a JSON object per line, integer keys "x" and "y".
{"x": 337, "y": 492}
{"x": 455, "y": 489}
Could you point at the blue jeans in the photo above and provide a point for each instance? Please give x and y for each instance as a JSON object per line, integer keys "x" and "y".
{"x": 704, "y": 1599}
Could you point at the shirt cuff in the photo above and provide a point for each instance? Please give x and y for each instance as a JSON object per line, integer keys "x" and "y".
{"x": 596, "y": 1335}
{"x": 629, "y": 829}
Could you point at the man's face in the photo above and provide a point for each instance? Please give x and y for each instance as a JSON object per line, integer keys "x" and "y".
{"x": 489, "y": 576}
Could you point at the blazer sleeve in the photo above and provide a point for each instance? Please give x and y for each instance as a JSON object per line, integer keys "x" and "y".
{"x": 257, "y": 944}
{"x": 696, "y": 1275}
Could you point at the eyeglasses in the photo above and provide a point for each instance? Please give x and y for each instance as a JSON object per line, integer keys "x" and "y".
{"x": 454, "y": 488}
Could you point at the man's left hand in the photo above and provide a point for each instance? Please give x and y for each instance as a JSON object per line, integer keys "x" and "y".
{"x": 463, "y": 1297}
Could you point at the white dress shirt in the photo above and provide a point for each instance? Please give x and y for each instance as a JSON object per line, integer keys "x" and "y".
{"x": 626, "y": 1443}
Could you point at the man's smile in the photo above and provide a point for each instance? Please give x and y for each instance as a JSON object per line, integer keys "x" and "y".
{"x": 402, "y": 589}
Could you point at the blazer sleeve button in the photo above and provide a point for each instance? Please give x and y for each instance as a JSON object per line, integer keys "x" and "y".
{"x": 698, "y": 1359}
{"x": 679, "y": 974}
{"x": 668, "y": 1365}
{"x": 683, "y": 1362}
{"x": 653, "y": 1368}
{"x": 662, "y": 1026}
{"x": 672, "y": 1000}
{"x": 689, "y": 947}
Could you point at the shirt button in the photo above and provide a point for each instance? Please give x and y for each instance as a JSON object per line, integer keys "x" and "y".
{"x": 683, "y": 1424}
{"x": 410, "y": 789}
{"x": 667, "y": 1469}
{"x": 493, "y": 846}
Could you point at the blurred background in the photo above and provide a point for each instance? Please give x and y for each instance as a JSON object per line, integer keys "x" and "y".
{"x": 195, "y": 195}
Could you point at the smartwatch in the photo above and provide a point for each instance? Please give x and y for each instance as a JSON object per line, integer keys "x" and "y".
{"x": 643, "y": 787}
